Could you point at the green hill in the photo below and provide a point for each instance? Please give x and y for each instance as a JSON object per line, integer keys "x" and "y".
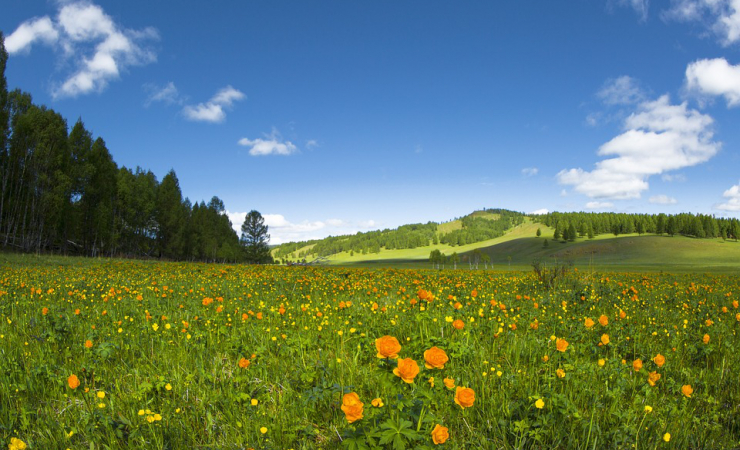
{"x": 518, "y": 247}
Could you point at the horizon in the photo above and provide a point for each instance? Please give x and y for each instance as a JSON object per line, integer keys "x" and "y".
{"x": 367, "y": 117}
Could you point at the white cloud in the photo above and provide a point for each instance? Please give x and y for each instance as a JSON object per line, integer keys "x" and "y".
{"x": 715, "y": 77}
{"x": 539, "y": 211}
{"x": 662, "y": 200}
{"x": 213, "y": 110}
{"x": 659, "y": 137}
{"x": 167, "y": 94}
{"x": 599, "y": 205}
{"x": 281, "y": 230}
{"x": 21, "y": 40}
{"x": 530, "y": 171}
{"x": 99, "y": 48}
{"x": 733, "y": 200}
{"x": 272, "y": 145}
{"x": 311, "y": 143}
{"x": 722, "y": 17}
{"x": 622, "y": 90}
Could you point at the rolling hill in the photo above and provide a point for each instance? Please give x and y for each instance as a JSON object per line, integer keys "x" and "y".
{"x": 518, "y": 247}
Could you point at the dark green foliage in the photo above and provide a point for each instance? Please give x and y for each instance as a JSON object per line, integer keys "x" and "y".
{"x": 254, "y": 239}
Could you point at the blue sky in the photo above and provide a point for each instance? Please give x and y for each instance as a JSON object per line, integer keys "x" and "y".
{"x": 333, "y": 117}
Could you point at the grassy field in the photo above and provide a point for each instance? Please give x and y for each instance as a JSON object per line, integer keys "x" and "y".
{"x": 112, "y": 354}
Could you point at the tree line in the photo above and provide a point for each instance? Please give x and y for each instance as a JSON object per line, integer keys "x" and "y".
{"x": 569, "y": 226}
{"x": 63, "y": 192}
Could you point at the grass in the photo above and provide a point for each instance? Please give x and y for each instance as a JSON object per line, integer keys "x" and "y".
{"x": 180, "y": 355}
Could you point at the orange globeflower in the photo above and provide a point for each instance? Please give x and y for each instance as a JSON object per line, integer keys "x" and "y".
{"x": 244, "y": 363}
{"x": 73, "y": 381}
{"x": 458, "y": 324}
{"x": 352, "y": 407}
{"x": 440, "y": 434}
{"x": 687, "y": 390}
{"x": 449, "y": 383}
{"x": 659, "y": 360}
{"x": 705, "y": 339}
{"x": 407, "y": 369}
{"x": 44, "y": 310}
{"x": 88, "y": 343}
{"x": 603, "y": 320}
{"x": 561, "y": 345}
{"x": 388, "y": 347}
{"x": 589, "y": 323}
{"x": 637, "y": 365}
{"x": 653, "y": 378}
{"x": 605, "y": 339}
{"x": 465, "y": 397}
{"x": 435, "y": 358}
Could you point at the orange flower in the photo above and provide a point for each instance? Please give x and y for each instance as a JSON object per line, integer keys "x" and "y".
{"x": 637, "y": 365}
{"x": 388, "y": 347}
{"x": 622, "y": 314}
{"x": 88, "y": 343}
{"x": 605, "y": 339}
{"x": 457, "y": 305}
{"x": 440, "y": 434}
{"x": 653, "y": 378}
{"x": 603, "y": 320}
{"x": 377, "y": 402}
{"x": 244, "y": 363}
{"x": 44, "y": 310}
{"x": 352, "y": 407}
{"x": 659, "y": 360}
{"x": 435, "y": 358}
{"x": 560, "y": 373}
{"x": 407, "y": 369}
{"x": 589, "y": 323}
{"x": 705, "y": 339}
{"x": 561, "y": 345}
{"x": 73, "y": 381}
{"x": 465, "y": 397}
{"x": 458, "y": 324}
{"x": 687, "y": 390}
{"x": 449, "y": 383}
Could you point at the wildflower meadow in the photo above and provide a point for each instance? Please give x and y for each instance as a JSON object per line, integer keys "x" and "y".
{"x": 121, "y": 354}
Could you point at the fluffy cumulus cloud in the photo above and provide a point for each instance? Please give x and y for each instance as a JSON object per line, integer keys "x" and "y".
{"x": 281, "y": 230}
{"x": 530, "y": 171}
{"x": 98, "y": 48}
{"x": 662, "y": 200}
{"x": 659, "y": 137}
{"x": 732, "y": 200}
{"x": 214, "y": 110}
{"x": 272, "y": 144}
{"x": 722, "y": 17}
{"x": 714, "y": 77}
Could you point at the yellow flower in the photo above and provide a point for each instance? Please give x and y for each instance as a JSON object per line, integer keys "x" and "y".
{"x": 254, "y": 402}
{"x": 539, "y": 403}
{"x": 602, "y": 362}
{"x": 648, "y": 409}
{"x": 440, "y": 434}
{"x": 377, "y": 402}
{"x": 101, "y": 394}
{"x": 263, "y": 430}
{"x": 17, "y": 444}
{"x": 168, "y": 386}
{"x": 155, "y": 327}
{"x": 560, "y": 373}
{"x": 667, "y": 437}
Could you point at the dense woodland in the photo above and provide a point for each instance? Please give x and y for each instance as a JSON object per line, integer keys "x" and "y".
{"x": 474, "y": 229}
{"x": 62, "y": 192}
{"x": 568, "y": 226}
